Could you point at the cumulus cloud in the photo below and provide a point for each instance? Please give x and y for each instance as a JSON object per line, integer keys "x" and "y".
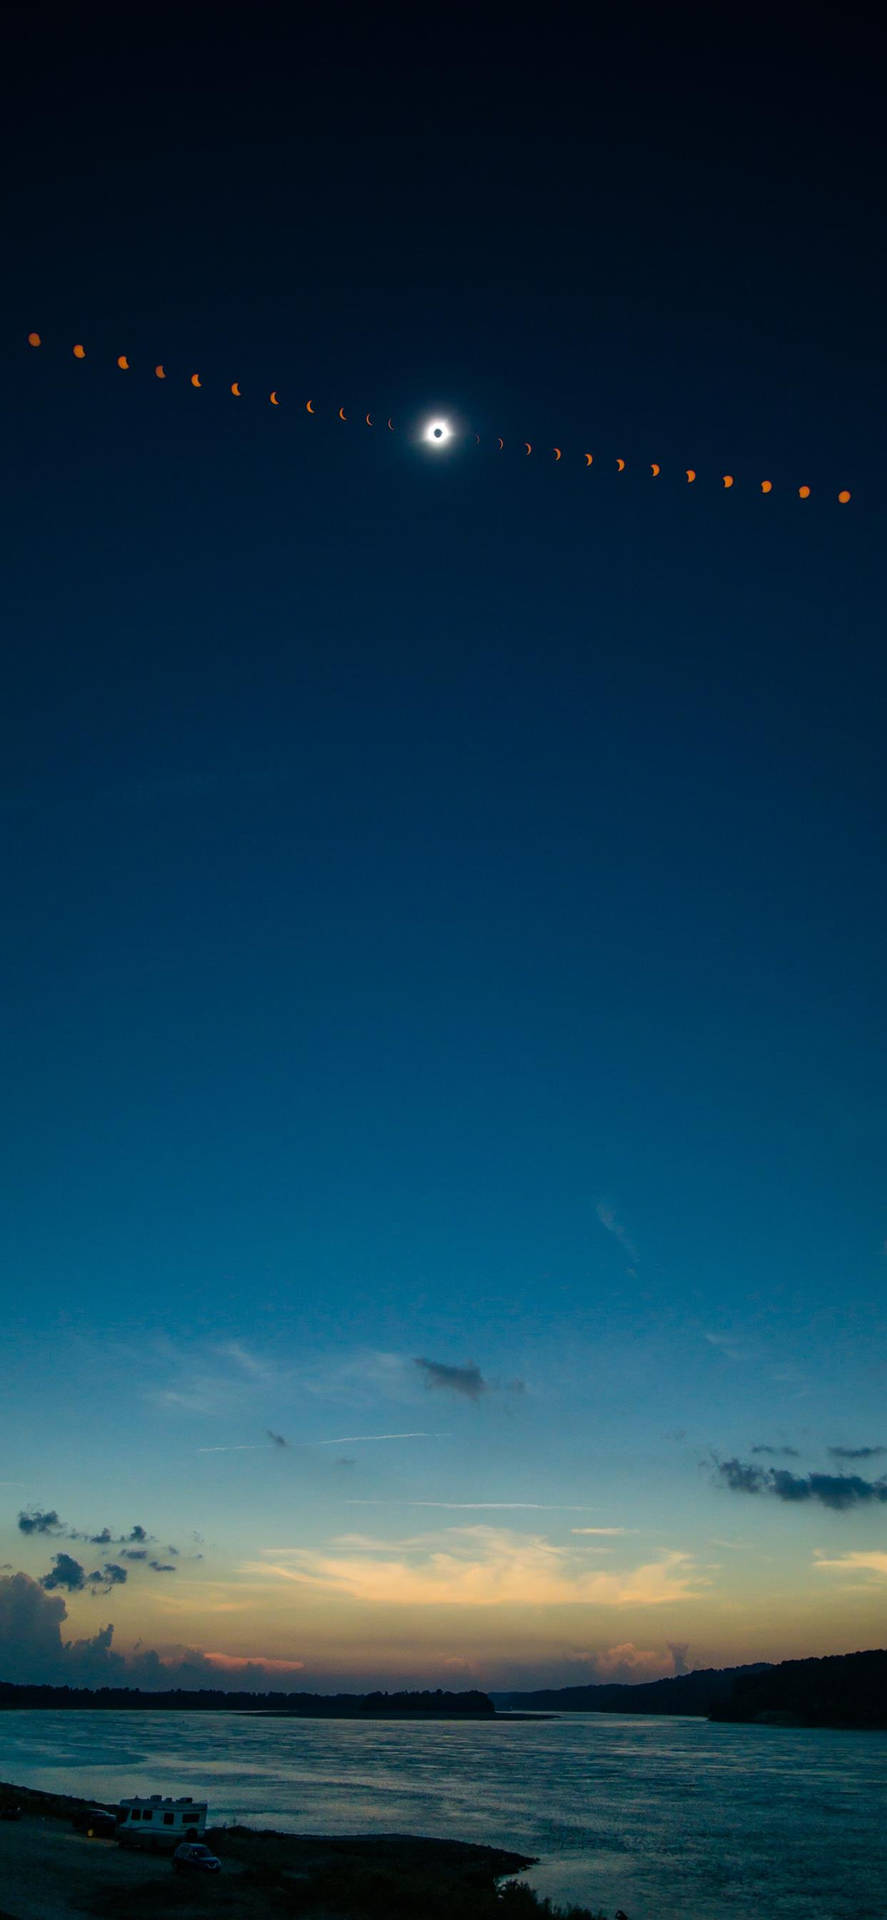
{"x": 161, "y": 1566}
{"x": 35, "y": 1652}
{"x": 856, "y": 1453}
{"x": 106, "y": 1577}
{"x": 679, "y": 1650}
{"x": 837, "y": 1491}
{"x": 478, "y": 1566}
{"x": 65, "y": 1572}
{"x": 37, "y": 1522}
{"x": 468, "y": 1381}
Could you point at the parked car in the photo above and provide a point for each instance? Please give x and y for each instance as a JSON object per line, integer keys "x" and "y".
{"x": 193, "y": 1857}
{"x": 96, "y": 1822}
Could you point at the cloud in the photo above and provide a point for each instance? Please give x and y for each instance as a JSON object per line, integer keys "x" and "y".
{"x": 276, "y": 1438}
{"x": 728, "y": 1344}
{"x": 250, "y": 1363}
{"x": 37, "y": 1522}
{"x": 622, "y": 1665}
{"x": 871, "y": 1561}
{"x": 341, "y": 1440}
{"x": 856, "y": 1453}
{"x": 788, "y": 1452}
{"x": 65, "y": 1572}
{"x": 162, "y": 1566}
{"x": 468, "y": 1381}
{"x": 106, "y": 1577}
{"x": 608, "y": 1220}
{"x": 679, "y": 1650}
{"x": 489, "y": 1506}
{"x": 135, "y": 1536}
{"x": 479, "y": 1566}
{"x": 837, "y": 1491}
{"x": 134, "y": 1553}
{"x": 34, "y": 1651}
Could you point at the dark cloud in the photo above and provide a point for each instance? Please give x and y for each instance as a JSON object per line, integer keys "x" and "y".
{"x": 679, "y": 1650}
{"x": 34, "y": 1652}
{"x": 137, "y": 1535}
{"x": 276, "y": 1439}
{"x": 837, "y": 1491}
{"x": 465, "y": 1380}
{"x": 172, "y": 1550}
{"x": 344, "y": 1461}
{"x": 108, "y": 1576}
{"x": 161, "y": 1566}
{"x": 36, "y": 1522}
{"x": 787, "y": 1452}
{"x": 102, "y": 1539}
{"x": 134, "y": 1553}
{"x": 65, "y": 1572}
{"x": 856, "y": 1453}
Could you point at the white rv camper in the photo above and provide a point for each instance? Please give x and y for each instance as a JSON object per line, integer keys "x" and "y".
{"x": 154, "y": 1824}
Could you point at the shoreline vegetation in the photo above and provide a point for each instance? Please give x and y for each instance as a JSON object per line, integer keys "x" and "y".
{"x": 266, "y": 1872}
{"x": 839, "y": 1690}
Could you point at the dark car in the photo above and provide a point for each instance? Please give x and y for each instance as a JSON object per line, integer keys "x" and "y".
{"x": 193, "y": 1857}
{"x": 96, "y": 1822}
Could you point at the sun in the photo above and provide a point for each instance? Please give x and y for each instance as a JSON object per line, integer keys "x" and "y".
{"x": 437, "y": 433}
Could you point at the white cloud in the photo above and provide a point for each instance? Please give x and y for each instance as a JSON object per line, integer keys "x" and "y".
{"x": 871, "y": 1560}
{"x": 480, "y": 1566}
{"x": 608, "y": 1219}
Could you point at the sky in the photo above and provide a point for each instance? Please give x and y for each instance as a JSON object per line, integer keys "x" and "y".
{"x": 444, "y": 1237}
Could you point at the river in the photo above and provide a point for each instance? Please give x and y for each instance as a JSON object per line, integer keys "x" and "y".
{"x": 669, "y": 1819}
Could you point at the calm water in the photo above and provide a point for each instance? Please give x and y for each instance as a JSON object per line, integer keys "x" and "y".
{"x": 669, "y": 1819}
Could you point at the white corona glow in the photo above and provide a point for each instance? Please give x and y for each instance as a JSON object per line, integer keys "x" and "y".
{"x": 437, "y": 433}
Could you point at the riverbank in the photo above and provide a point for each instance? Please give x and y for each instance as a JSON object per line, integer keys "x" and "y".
{"x": 48, "y": 1871}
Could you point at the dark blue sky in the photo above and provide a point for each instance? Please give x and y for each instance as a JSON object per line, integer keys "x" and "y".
{"x": 445, "y": 895}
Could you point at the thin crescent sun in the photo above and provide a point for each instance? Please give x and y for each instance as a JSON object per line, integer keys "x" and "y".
{"x": 390, "y": 426}
{"x": 557, "y": 452}
{"x": 342, "y": 414}
{"x": 160, "y": 373}
{"x": 273, "y": 399}
{"x": 308, "y": 407}
{"x": 369, "y": 419}
{"x": 621, "y": 465}
{"x": 589, "y": 459}
{"x": 501, "y": 444}
{"x": 235, "y": 389}
{"x": 528, "y": 445}
{"x": 728, "y": 479}
{"x": 654, "y": 468}
{"x": 195, "y": 379}
{"x": 691, "y": 475}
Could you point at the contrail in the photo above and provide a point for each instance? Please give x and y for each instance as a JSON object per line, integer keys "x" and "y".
{"x": 344, "y": 1439}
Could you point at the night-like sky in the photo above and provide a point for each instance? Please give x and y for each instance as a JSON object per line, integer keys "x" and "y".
{"x": 443, "y": 888}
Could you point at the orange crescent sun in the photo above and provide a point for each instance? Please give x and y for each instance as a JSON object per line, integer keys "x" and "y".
{"x": 621, "y": 465}
{"x": 691, "y": 475}
{"x": 390, "y": 425}
{"x": 273, "y": 399}
{"x": 308, "y": 407}
{"x": 235, "y": 389}
{"x": 557, "y": 452}
{"x": 369, "y": 419}
{"x": 728, "y": 479}
{"x": 79, "y": 353}
{"x": 654, "y": 468}
{"x": 589, "y": 459}
{"x": 160, "y": 373}
{"x": 195, "y": 379}
{"x": 342, "y": 414}
{"x": 528, "y": 445}
{"x": 123, "y": 363}
{"x": 501, "y": 444}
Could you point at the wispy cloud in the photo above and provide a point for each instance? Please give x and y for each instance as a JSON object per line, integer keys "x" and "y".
{"x": 729, "y": 1344}
{"x": 871, "y": 1560}
{"x": 785, "y": 1452}
{"x": 856, "y": 1453}
{"x": 491, "y": 1506}
{"x": 481, "y": 1566}
{"x": 608, "y": 1219}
